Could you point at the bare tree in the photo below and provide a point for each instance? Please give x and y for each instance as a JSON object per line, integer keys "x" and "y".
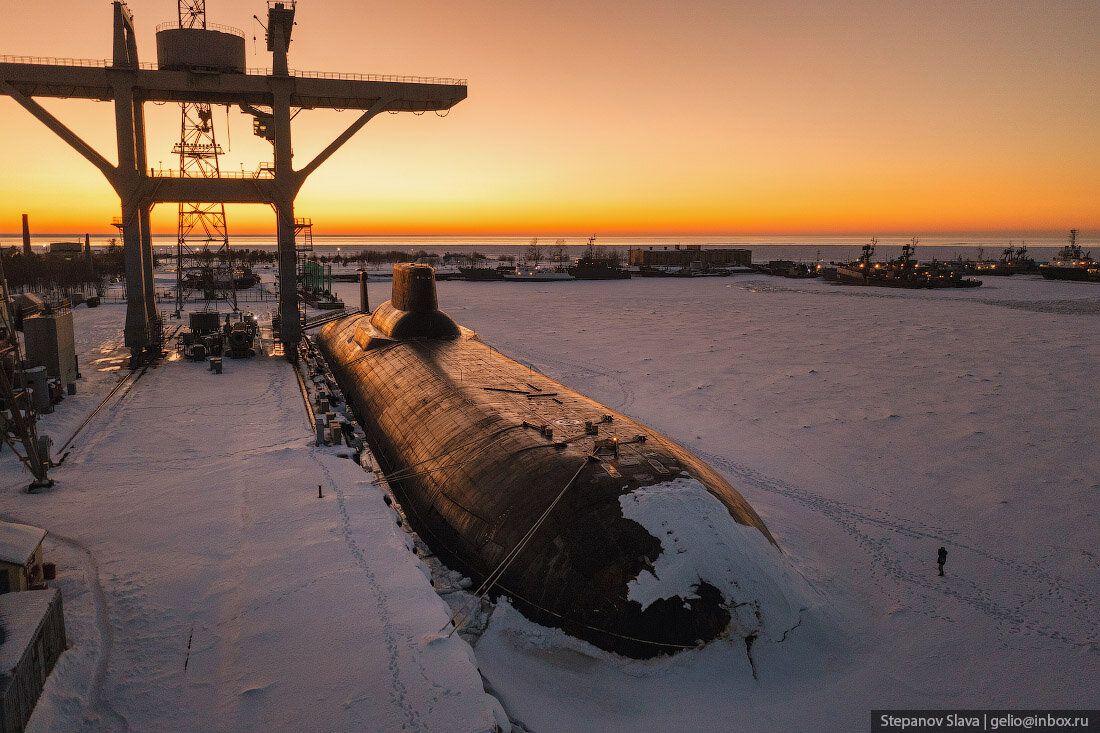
{"x": 533, "y": 255}
{"x": 560, "y": 254}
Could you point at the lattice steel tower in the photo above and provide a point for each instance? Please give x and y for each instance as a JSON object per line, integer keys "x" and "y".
{"x": 204, "y": 259}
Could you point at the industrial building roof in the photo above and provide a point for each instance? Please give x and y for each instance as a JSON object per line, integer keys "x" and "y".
{"x": 20, "y": 616}
{"x": 18, "y": 542}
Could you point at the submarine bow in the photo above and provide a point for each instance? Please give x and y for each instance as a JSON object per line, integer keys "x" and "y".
{"x": 646, "y": 549}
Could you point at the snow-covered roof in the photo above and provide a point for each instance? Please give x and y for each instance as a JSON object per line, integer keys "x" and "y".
{"x": 18, "y": 542}
{"x": 20, "y": 615}
{"x": 31, "y": 299}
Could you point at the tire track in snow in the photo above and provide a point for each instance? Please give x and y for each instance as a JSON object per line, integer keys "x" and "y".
{"x": 398, "y": 691}
{"x": 895, "y": 563}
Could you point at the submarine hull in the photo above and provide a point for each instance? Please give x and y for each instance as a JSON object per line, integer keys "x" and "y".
{"x": 486, "y": 456}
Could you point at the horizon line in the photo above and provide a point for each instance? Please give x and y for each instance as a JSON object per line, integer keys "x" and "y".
{"x": 616, "y": 235}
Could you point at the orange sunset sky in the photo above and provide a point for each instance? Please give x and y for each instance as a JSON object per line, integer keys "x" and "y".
{"x": 646, "y": 117}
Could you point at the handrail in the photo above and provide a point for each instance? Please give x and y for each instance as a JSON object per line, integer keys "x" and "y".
{"x": 53, "y": 61}
{"x": 172, "y": 25}
{"x": 175, "y": 173}
{"x": 369, "y": 77}
{"x": 150, "y": 66}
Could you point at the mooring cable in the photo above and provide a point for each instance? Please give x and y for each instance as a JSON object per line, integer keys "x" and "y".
{"x": 500, "y": 569}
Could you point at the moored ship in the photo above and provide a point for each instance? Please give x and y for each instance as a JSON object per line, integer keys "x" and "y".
{"x": 903, "y": 272}
{"x": 1072, "y": 263}
{"x": 1014, "y": 261}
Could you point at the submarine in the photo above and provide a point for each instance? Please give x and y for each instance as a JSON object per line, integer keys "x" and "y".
{"x": 567, "y": 507}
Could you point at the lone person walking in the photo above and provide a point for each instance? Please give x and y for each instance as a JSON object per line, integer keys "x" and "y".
{"x": 942, "y": 558}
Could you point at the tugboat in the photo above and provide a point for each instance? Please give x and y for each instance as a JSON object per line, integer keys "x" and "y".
{"x": 595, "y": 267}
{"x": 1072, "y": 263}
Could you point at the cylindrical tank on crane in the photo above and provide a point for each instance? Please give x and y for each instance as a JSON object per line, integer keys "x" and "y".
{"x": 201, "y": 49}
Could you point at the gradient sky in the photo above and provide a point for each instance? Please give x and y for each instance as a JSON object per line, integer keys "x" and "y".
{"x": 679, "y": 117}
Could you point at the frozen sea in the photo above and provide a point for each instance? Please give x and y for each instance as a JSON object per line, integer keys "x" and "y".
{"x": 868, "y": 427}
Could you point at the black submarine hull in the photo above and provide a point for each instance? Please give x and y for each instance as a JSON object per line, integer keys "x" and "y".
{"x": 478, "y": 447}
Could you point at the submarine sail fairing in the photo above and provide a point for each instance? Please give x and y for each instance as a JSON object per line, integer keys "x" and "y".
{"x": 645, "y": 549}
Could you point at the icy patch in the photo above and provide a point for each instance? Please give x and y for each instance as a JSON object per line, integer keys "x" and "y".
{"x": 701, "y": 542}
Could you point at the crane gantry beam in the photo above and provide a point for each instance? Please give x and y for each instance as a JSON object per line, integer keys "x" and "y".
{"x": 60, "y": 81}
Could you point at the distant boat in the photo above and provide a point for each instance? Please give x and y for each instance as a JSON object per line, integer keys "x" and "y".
{"x": 528, "y": 273}
{"x": 1072, "y": 263}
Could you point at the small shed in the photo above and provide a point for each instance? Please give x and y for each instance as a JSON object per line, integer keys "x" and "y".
{"x": 32, "y": 637}
{"x": 20, "y": 556}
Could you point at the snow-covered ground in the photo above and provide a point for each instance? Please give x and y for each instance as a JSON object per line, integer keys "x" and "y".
{"x": 207, "y": 587}
{"x": 868, "y": 427}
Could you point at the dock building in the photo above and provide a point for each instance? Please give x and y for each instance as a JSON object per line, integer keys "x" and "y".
{"x": 688, "y": 255}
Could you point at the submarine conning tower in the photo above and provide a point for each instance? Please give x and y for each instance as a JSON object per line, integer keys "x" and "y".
{"x": 413, "y": 309}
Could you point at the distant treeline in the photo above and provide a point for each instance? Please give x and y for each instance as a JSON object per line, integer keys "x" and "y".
{"x": 239, "y": 256}
{"x": 376, "y": 257}
{"x": 56, "y": 276}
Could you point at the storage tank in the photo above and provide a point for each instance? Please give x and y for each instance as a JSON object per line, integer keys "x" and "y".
{"x": 38, "y": 382}
{"x": 214, "y": 48}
